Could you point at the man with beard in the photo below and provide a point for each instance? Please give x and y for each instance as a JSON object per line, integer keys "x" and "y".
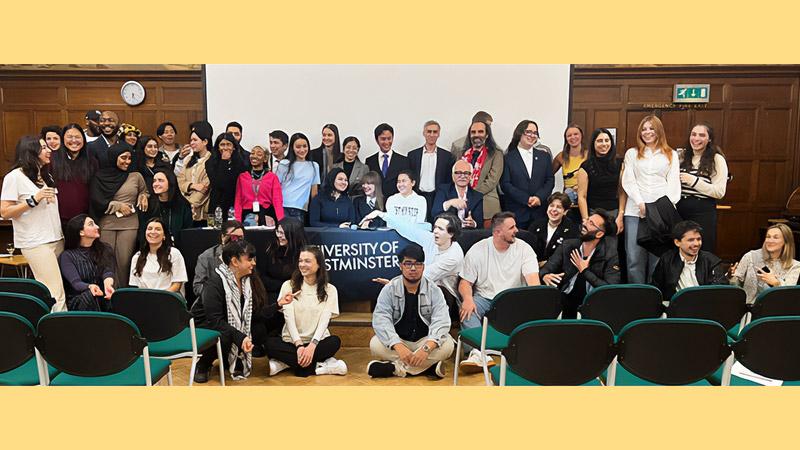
{"x": 486, "y": 159}
{"x": 687, "y": 265}
{"x": 584, "y": 263}
{"x": 411, "y": 323}
{"x": 491, "y": 266}
{"x": 92, "y": 130}
{"x": 109, "y": 127}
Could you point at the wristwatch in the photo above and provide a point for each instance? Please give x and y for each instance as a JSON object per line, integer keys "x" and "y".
{"x": 31, "y": 201}
{"x": 426, "y": 348}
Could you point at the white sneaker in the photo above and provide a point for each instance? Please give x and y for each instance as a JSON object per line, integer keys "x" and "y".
{"x": 275, "y": 367}
{"x": 331, "y": 366}
{"x": 474, "y": 362}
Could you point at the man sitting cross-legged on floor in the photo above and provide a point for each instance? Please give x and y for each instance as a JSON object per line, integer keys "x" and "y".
{"x": 411, "y": 323}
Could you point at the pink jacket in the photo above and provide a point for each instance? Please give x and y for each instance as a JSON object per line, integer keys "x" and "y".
{"x": 269, "y": 194}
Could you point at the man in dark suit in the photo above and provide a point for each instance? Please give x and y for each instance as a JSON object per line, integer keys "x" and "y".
{"x": 109, "y": 127}
{"x": 430, "y": 164}
{"x": 278, "y": 144}
{"x": 527, "y": 181}
{"x": 459, "y": 198}
{"x": 551, "y": 231}
{"x": 585, "y": 263}
{"x": 390, "y": 163}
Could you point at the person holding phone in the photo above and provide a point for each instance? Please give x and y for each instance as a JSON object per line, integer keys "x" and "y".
{"x": 771, "y": 265}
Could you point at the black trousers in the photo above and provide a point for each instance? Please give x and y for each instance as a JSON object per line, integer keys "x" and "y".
{"x": 704, "y": 212}
{"x": 258, "y": 331}
{"x": 287, "y": 353}
{"x": 429, "y": 201}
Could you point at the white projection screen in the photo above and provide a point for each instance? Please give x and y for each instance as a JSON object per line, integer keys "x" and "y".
{"x": 302, "y": 98}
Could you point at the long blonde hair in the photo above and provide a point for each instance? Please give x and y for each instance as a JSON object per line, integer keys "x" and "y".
{"x": 661, "y": 138}
{"x": 787, "y": 254}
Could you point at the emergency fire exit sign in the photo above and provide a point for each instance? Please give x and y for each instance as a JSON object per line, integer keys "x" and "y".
{"x": 691, "y": 93}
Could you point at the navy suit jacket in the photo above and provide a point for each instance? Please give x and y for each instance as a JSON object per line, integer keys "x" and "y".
{"x": 474, "y": 202}
{"x": 396, "y": 164}
{"x": 518, "y": 185}
{"x": 444, "y": 164}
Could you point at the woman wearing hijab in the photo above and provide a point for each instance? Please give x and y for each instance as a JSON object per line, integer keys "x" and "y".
{"x": 115, "y": 193}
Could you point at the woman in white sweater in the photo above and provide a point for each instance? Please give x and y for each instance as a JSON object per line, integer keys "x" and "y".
{"x": 651, "y": 171}
{"x": 407, "y": 204}
{"x": 306, "y": 345}
{"x": 771, "y": 265}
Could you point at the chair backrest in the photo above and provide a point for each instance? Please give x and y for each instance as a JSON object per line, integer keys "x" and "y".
{"x": 27, "y": 306}
{"x": 159, "y": 314}
{"x": 27, "y": 286}
{"x": 725, "y": 305}
{"x": 560, "y": 352}
{"x": 89, "y": 344}
{"x": 777, "y": 301}
{"x": 16, "y": 340}
{"x": 771, "y": 347}
{"x": 672, "y": 351}
{"x": 617, "y": 305}
{"x": 513, "y": 307}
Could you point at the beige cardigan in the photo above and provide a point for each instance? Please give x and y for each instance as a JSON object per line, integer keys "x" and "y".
{"x": 195, "y": 174}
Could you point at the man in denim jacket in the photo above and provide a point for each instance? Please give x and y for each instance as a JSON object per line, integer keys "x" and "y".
{"x": 411, "y": 323}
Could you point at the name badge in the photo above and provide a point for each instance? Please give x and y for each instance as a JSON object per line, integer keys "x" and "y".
{"x": 255, "y": 207}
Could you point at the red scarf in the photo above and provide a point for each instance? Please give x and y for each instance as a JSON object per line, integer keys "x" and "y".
{"x": 476, "y": 168}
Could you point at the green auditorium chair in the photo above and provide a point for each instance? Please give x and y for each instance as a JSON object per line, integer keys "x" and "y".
{"x": 724, "y": 304}
{"x": 617, "y": 305}
{"x": 18, "y": 363}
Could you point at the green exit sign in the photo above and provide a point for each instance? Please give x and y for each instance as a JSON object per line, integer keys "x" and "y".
{"x": 691, "y": 93}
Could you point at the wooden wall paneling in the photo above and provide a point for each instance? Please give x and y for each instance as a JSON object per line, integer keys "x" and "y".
{"x": 774, "y": 133}
{"x": 18, "y": 94}
{"x": 42, "y": 118}
{"x": 773, "y": 178}
{"x": 739, "y": 133}
{"x": 675, "y": 125}
{"x": 739, "y": 188}
{"x": 15, "y": 125}
{"x": 604, "y": 118}
{"x": 650, "y": 93}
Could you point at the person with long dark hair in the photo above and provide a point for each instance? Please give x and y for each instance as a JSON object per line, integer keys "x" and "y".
{"x": 599, "y": 184}
{"x": 87, "y": 266}
{"x": 207, "y": 262}
{"x": 193, "y": 179}
{"x": 149, "y": 160}
{"x": 371, "y": 200}
{"x": 223, "y": 170}
{"x": 332, "y": 207}
{"x": 352, "y": 165}
{"x": 168, "y": 205}
{"x": 572, "y": 155}
{"x": 306, "y": 345}
{"x": 329, "y": 152}
{"x": 158, "y": 264}
{"x": 116, "y": 193}
{"x": 258, "y": 192}
{"x": 167, "y": 133}
{"x": 482, "y": 152}
{"x": 52, "y": 137}
{"x": 72, "y": 170}
{"x": 704, "y": 179}
{"x": 527, "y": 179}
{"x": 29, "y": 199}
{"x": 234, "y": 303}
{"x": 299, "y": 177}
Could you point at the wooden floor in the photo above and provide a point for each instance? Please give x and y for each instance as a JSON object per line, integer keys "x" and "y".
{"x": 356, "y": 359}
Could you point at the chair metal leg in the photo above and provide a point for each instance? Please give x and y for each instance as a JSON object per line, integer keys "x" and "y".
{"x": 41, "y": 368}
{"x": 726, "y": 371}
{"x": 458, "y": 360}
{"x": 611, "y": 373}
{"x": 221, "y": 366}
{"x": 484, "y": 355}
{"x": 147, "y": 376}
{"x": 191, "y": 370}
{"x": 169, "y": 376}
{"x": 503, "y": 364}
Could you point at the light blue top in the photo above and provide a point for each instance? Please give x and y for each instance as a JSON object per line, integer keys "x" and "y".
{"x": 296, "y": 185}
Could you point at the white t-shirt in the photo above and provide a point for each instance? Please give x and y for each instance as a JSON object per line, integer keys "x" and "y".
{"x": 36, "y": 226}
{"x": 307, "y": 310}
{"x": 153, "y": 278}
{"x": 413, "y": 208}
{"x": 492, "y": 272}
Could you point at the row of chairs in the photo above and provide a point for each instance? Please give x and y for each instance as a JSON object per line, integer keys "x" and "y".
{"x": 132, "y": 346}
{"x": 619, "y": 305}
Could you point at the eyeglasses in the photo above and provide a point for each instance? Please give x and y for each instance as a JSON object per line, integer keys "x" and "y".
{"x": 530, "y": 133}
{"x": 410, "y": 264}
{"x": 462, "y": 174}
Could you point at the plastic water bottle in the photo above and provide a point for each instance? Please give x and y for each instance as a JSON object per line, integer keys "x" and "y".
{"x": 231, "y": 213}
{"x": 218, "y": 218}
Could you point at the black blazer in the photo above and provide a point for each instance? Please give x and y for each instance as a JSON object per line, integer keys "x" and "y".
{"x": 317, "y": 155}
{"x": 707, "y": 269}
{"x": 474, "y": 202}
{"x": 518, "y": 185}
{"x": 444, "y": 165}
{"x": 396, "y": 164}
{"x": 603, "y": 267}
{"x": 544, "y": 249}
{"x": 98, "y": 149}
{"x": 362, "y": 209}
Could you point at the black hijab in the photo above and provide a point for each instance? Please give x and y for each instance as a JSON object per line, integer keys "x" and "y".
{"x": 107, "y": 181}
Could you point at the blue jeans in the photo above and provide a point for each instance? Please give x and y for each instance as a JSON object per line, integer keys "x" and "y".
{"x": 482, "y": 305}
{"x": 297, "y": 213}
{"x": 641, "y": 263}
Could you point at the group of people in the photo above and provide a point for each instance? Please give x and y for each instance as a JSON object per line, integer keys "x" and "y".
{"x": 70, "y": 183}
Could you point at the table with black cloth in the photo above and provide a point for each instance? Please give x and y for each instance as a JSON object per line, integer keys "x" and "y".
{"x": 354, "y": 257}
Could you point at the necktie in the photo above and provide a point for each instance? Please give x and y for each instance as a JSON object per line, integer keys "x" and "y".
{"x": 371, "y": 203}
{"x": 385, "y": 166}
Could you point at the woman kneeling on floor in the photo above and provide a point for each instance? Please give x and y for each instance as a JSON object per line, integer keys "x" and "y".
{"x": 232, "y": 297}
{"x": 306, "y": 345}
